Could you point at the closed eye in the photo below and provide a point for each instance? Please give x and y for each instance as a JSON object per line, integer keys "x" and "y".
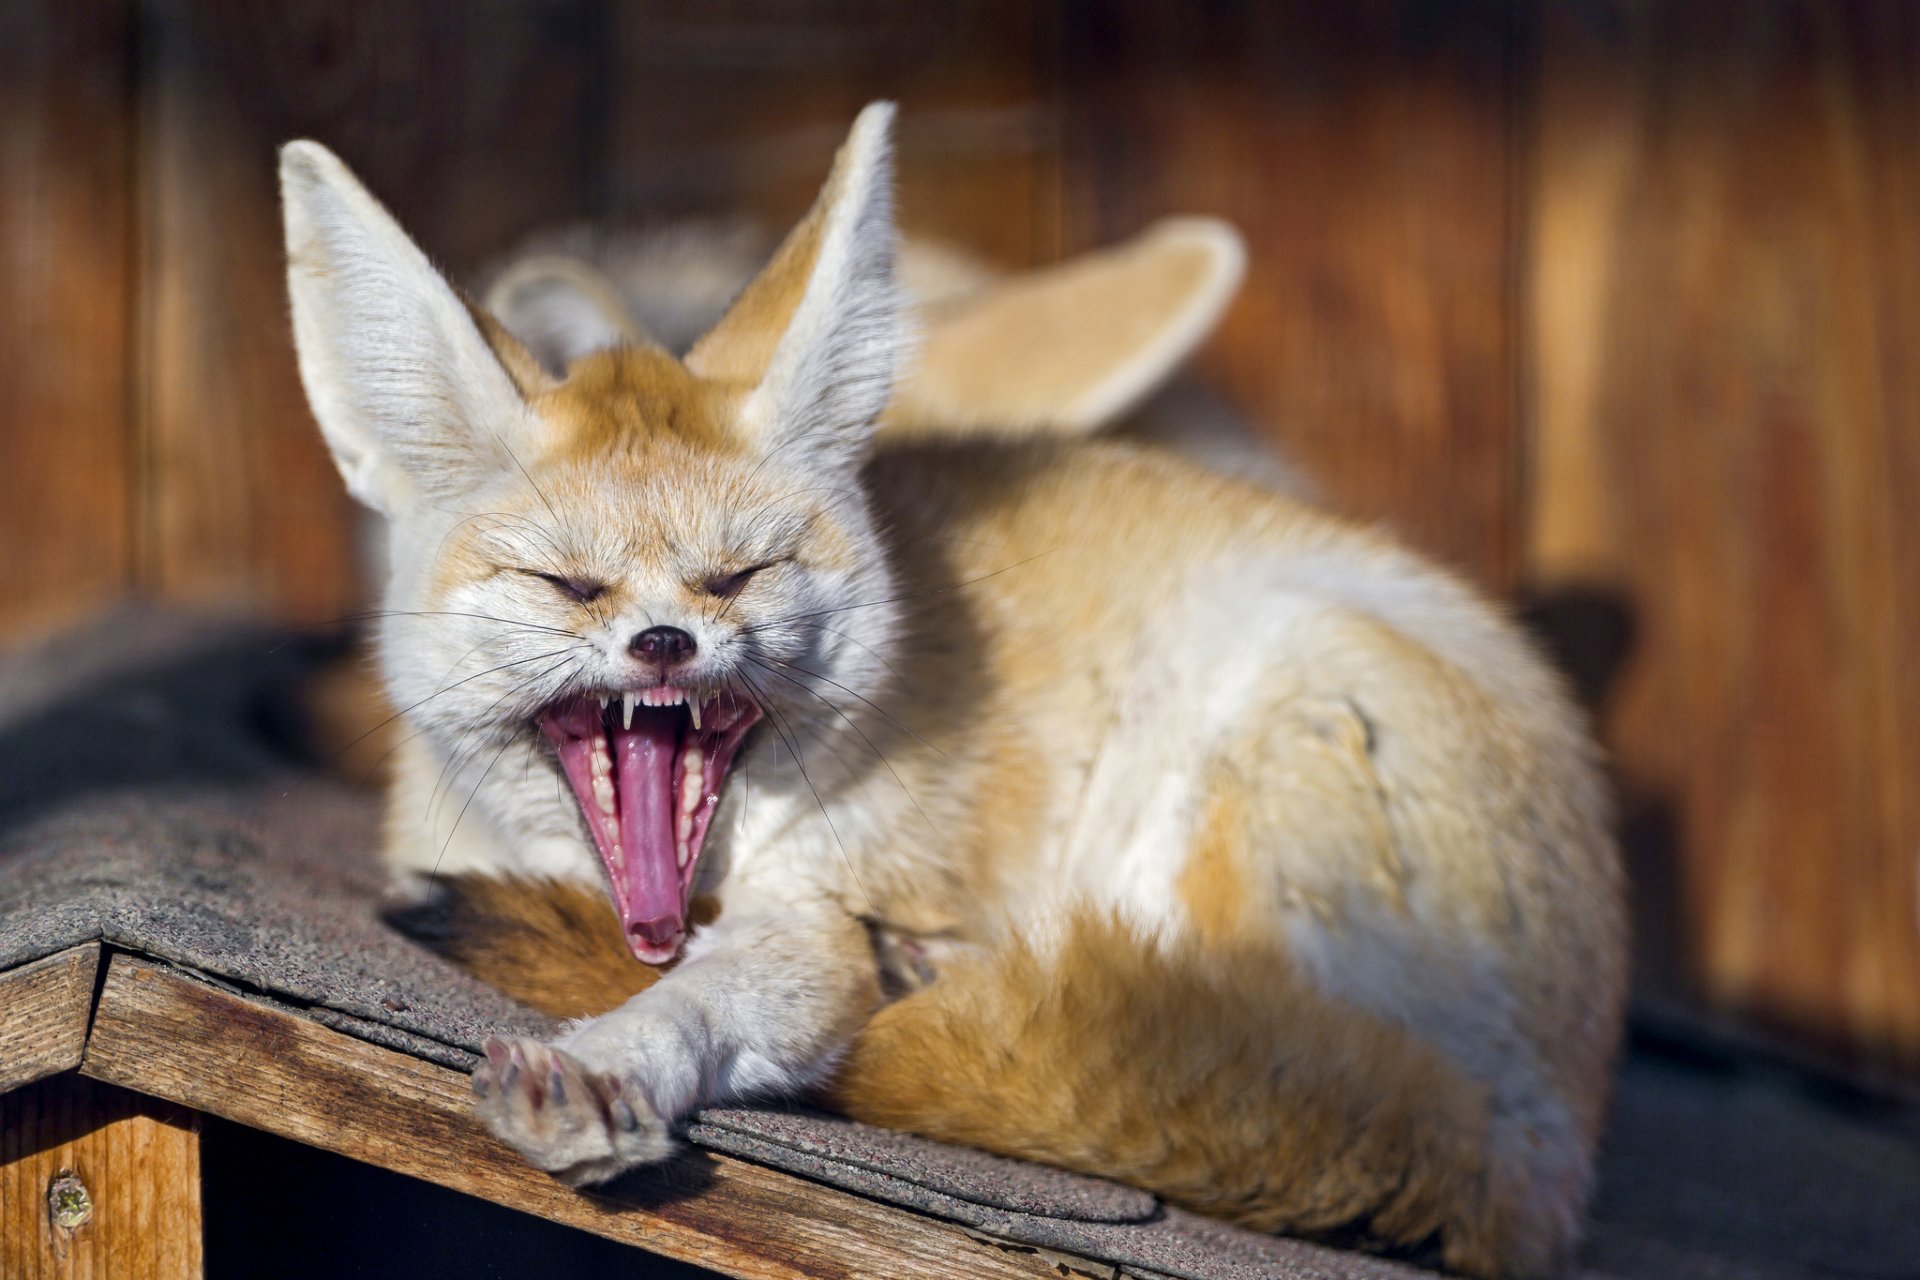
{"x": 578, "y": 589}
{"x": 728, "y": 585}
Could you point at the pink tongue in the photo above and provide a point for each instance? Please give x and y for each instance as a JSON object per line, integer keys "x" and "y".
{"x": 643, "y": 759}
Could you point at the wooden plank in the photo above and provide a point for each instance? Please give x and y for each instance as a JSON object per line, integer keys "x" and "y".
{"x": 44, "y": 1007}
{"x": 65, "y": 459}
{"x": 97, "y": 1183}
{"x": 1724, "y": 306}
{"x": 473, "y": 132}
{"x": 1364, "y": 150}
{"x": 165, "y": 1035}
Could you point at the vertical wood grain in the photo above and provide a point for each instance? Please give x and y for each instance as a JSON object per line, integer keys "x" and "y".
{"x": 65, "y": 131}
{"x": 737, "y": 108}
{"x": 1724, "y": 309}
{"x": 139, "y": 1163}
{"x": 473, "y": 123}
{"x": 1365, "y": 151}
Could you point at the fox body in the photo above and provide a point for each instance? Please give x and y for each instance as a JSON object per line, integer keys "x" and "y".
{"x": 1232, "y": 850}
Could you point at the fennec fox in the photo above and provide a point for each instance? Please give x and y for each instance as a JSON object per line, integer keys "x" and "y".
{"x": 1226, "y": 848}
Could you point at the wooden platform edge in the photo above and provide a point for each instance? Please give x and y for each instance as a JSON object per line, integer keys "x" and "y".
{"x": 45, "y": 1005}
{"x": 162, "y": 1034}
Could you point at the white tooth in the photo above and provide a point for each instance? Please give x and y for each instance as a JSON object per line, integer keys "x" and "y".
{"x": 626, "y": 710}
{"x": 693, "y": 709}
{"x": 603, "y": 701}
{"x": 680, "y": 854}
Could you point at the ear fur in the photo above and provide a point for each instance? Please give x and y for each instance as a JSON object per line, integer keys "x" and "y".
{"x": 1067, "y": 349}
{"x": 818, "y": 334}
{"x": 562, "y": 309}
{"x": 412, "y": 399}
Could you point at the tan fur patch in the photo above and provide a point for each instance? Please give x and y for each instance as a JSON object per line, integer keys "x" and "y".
{"x": 551, "y": 945}
{"x": 633, "y": 399}
{"x": 1213, "y": 884}
{"x": 1211, "y": 1077}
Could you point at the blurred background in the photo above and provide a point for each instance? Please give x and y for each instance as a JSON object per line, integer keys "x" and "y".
{"x": 1611, "y": 305}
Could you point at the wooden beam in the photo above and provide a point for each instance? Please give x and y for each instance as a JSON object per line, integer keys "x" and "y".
{"x": 97, "y": 1182}
{"x": 159, "y": 1033}
{"x": 43, "y": 1016}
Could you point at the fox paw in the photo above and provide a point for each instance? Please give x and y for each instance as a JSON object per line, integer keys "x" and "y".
{"x": 580, "y": 1125}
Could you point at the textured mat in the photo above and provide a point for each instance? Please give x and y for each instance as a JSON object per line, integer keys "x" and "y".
{"x": 143, "y": 801}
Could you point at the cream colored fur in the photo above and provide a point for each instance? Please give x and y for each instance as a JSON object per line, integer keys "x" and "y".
{"x": 1031, "y": 701}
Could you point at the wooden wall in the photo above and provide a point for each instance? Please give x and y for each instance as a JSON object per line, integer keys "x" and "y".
{"x": 1607, "y": 303}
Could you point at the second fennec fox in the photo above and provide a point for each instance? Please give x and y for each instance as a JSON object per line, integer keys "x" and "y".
{"x": 1232, "y": 850}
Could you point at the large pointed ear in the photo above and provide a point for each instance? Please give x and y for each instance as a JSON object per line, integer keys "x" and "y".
{"x": 818, "y": 334}
{"x": 1067, "y": 349}
{"x": 562, "y": 309}
{"x": 412, "y": 389}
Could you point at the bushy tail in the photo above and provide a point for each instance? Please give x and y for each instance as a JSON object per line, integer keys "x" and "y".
{"x": 1219, "y": 1082}
{"x": 551, "y": 945}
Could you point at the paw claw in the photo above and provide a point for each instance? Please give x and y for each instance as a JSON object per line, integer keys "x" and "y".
{"x": 582, "y": 1125}
{"x": 496, "y": 1050}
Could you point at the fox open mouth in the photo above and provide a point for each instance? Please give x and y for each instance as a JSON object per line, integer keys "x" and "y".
{"x": 647, "y": 766}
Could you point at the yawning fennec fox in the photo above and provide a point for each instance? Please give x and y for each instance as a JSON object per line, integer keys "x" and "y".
{"x": 1225, "y": 848}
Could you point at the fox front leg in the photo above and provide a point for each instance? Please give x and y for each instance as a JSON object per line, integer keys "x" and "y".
{"x": 759, "y": 1005}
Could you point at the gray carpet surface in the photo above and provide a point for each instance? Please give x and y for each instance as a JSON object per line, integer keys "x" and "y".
{"x": 145, "y": 800}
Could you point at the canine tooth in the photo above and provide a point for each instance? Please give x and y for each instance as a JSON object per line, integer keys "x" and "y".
{"x": 693, "y": 709}
{"x": 681, "y": 853}
{"x": 626, "y": 710}
{"x": 604, "y": 700}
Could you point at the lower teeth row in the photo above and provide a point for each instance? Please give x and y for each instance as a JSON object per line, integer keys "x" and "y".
{"x": 692, "y": 783}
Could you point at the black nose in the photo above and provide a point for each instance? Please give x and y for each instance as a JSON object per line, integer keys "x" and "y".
{"x": 662, "y": 646}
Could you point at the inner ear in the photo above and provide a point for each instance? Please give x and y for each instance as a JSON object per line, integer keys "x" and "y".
{"x": 817, "y": 335}
{"x": 1067, "y": 349}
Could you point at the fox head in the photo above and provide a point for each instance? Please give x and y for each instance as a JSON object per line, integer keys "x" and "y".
{"x": 610, "y": 577}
